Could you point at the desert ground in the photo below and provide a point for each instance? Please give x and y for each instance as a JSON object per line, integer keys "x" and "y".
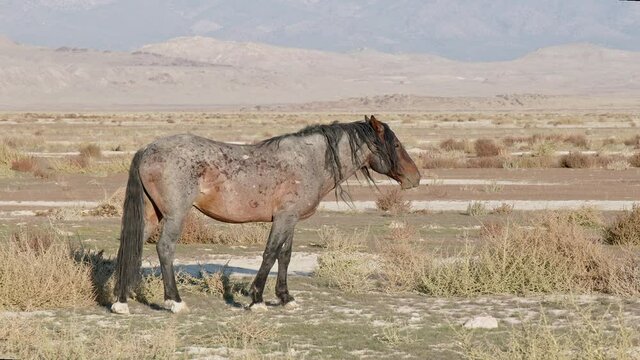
{"x": 520, "y": 242}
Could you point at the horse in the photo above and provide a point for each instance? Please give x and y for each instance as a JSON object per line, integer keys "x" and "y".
{"x": 279, "y": 180}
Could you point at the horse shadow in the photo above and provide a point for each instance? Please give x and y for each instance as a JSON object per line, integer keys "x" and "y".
{"x": 102, "y": 269}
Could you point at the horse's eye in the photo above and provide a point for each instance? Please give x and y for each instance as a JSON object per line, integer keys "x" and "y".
{"x": 397, "y": 145}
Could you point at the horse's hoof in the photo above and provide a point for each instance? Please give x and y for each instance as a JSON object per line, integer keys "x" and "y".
{"x": 175, "y": 306}
{"x": 291, "y": 305}
{"x": 259, "y": 307}
{"x": 120, "y": 308}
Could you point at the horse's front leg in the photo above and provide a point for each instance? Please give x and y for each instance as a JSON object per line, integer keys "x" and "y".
{"x": 284, "y": 257}
{"x": 281, "y": 231}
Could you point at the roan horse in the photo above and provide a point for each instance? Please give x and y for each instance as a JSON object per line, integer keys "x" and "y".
{"x": 280, "y": 180}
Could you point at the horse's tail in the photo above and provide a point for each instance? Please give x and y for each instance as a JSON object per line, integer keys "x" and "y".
{"x": 132, "y": 232}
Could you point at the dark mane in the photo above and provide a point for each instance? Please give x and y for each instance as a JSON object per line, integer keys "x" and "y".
{"x": 359, "y": 133}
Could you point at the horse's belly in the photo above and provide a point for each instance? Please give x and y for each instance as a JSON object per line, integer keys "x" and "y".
{"x": 237, "y": 209}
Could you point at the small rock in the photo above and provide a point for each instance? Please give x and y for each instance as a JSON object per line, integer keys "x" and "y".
{"x": 481, "y": 322}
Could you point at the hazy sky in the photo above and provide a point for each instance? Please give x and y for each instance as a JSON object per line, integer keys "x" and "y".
{"x": 462, "y": 29}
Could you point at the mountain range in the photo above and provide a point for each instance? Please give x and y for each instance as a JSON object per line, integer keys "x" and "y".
{"x": 479, "y": 30}
{"x": 203, "y": 72}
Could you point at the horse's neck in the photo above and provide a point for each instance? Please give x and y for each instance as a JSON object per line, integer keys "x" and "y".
{"x": 348, "y": 165}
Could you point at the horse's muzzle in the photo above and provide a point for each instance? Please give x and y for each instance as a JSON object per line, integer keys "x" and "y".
{"x": 409, "y": 182}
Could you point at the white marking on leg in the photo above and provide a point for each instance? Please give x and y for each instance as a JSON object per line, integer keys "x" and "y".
{"x": 176, "y": 307}
{"x": 120, "y": 308}
{"x": 260, "y": 307}
{"x": 292, "y": 305}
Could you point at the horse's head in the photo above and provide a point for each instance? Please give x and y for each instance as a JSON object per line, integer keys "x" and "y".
{"x": 390, "y": 158}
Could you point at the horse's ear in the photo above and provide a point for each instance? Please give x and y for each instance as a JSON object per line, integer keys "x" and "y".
{"x": 376, "y": 125}
{"x": 366, "y": 118}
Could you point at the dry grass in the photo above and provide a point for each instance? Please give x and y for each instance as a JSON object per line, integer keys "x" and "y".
{"x": 634, "y": 160}
{"x": 392, "y": 201}
{"x": 586, "y": 216}
{"x": 633, "y": 141}
{"x": 9, "y": 155}
{"x": 625, "y": 230}
{"x": 40, "y": 339}
{"x": 503, "y": 209}
{"x": 199, "y": 229}
{"x": 477, "y": 208}
{"x": 584, "y": 335}
{"x": 577, "y": 160}
{"x": 90, "y": 151}
{"x": 38, "y": 271}
{"x": 247, "y": 332}
{"x": 245, "y": 234}
{"x": 150, "y": 290}
{"x": 88, "y": 165}
{"x": 111, "y": 206}
{"x": 530, "y": 162}
{"x": 491, "y": 162}
{"x": 196, "y": 230}
{"x": 25, "y": 164}
{"x": 402, "y": 267}
{"x": 435, "y": 159}
{"x": 456, "y": 145}
{"x": 556, "y": 256}
{"x": 486, "y": 148}
{"x": 343, "y": 265}
{"x": 618, "y": 165}
{"x": 577, "y": 140}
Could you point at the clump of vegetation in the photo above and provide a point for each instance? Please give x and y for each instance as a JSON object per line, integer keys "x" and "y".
{"x": 88, "y": 165}
{"x": 41, "y": 339}
{"x": 25, "y": 164}
{"x": 244, "y": 234}
{"x": 392, "y": 201}
{"x": 558, "y": 256}
{"x": 111, "y": 206}
{"x": 633, "y": 141}
{"x": 625, "y": 230}
{"x": 38, "y": 271}
{"x": 477, "y": 208}
{"x": 544, "y": 148}
{"x": 402, "y": 267}
{"x": 195, "y": 231}
{"x": 456, "y": 145}
{"x": 486, "y": 148}
{"x": 503, "y": 209}
{"x": 343, "y": 265}
{"x": 90, "y": 151}
{"x": 150, "y": 290}
{"x": 634, "y": 160}
{"x": 198, "y": 229}
{"x": 248, "y": 332}
{"x": 435, "y": 159}
{"x": 618, "y": 165}
{"x": 577, "y": 160}
{"x": 577, "y": 140}
{"x": 9, "y": 155}
{"x": 586, "y": 216}
{"x": 493, "y": 187}
{"x": 490, "y": 162}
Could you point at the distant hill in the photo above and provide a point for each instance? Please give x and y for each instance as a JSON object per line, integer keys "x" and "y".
{"x": 202, "y": 72}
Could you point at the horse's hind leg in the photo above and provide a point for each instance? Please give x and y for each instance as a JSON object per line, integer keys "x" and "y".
{"x": 281, "y": 230}
{"x": 284, "y": 257}
{"x": 152, "y": 217}
{"x": 166, "y": 247}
